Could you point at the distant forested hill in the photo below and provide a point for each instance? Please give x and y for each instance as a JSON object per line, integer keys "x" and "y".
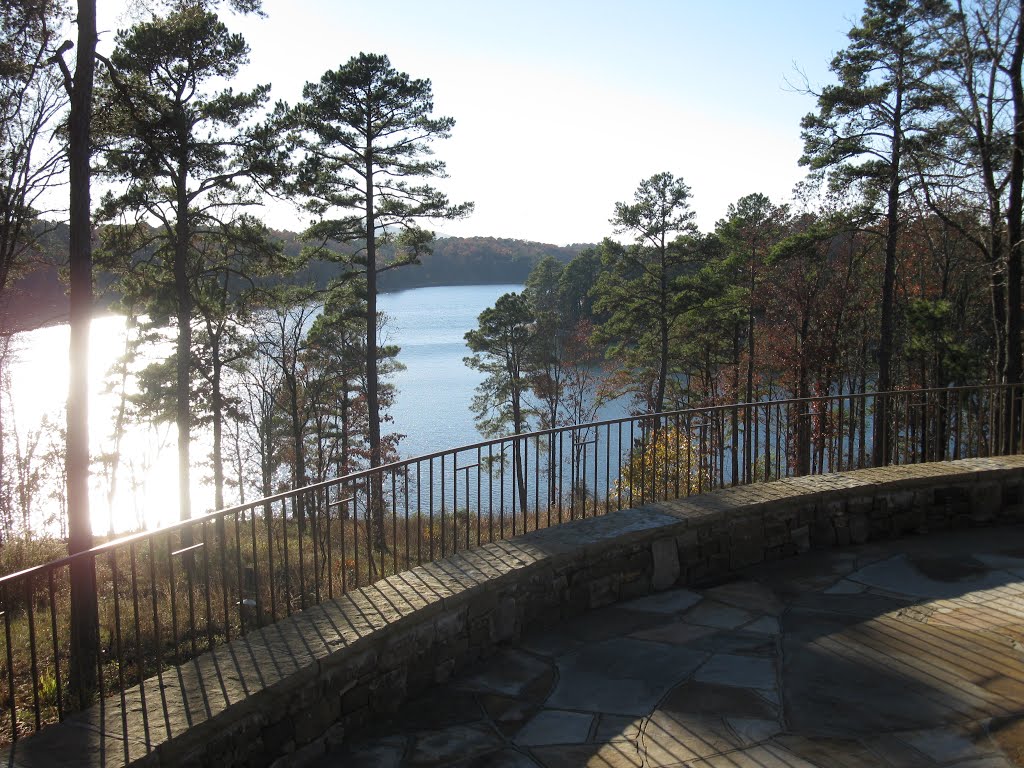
{"x": 476, "y": 261}
{"x": 454, "y": 261}
{"x": 39, "y": 297}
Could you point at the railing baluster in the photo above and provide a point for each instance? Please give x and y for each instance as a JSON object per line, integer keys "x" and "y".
{"x": 140, "y": 669}
{"x": 561, "y": 476}
{"x": 30, "y": 616}
{"x": 112, "y": 559}
{"x": 58, "y": 683}
{"x": 607, "y": 466}
{"x": 257, "y": 591}
{"x": 490, "y": 493}
{"x": 479, "y": 510}
{"x": 444, "y": 532}
{"x": 355, "y": 530}
{"x": 419, "y": 513}
{"x": 286, "y": 557}
{"x": 172, "y": 590}
{"x": 522, "y": 472}
{"x": 675, "y": 454}
{"x": 299, "y": 513}
{"x": 157, "y": 634}
{"x": 501, "y": 491}
{"x": 514, "y": 482}
{"x": 344, "y": 516}
{"x": 238, "y": 576}
{"x": 394, "y": 525}
{"x": 206, "y": 585}
{"x": 536, "y": 479}
{"x": 316, "y": 499}
{"x": 430, "y": 505}
{"x": 11, "y": 697}
{"x": 222, "y": 555}
{"x": 408, "y": 544}
{"x": 455, "y": 501}
{"x": 268, "y": 516}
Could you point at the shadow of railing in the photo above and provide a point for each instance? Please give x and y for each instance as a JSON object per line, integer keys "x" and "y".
{"x": 868, "y": 671}
{"x": 167, "y": 597}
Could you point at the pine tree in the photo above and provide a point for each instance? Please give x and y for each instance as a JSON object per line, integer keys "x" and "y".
{"x": 182, "y": 156}
{"x": 637, "y": 288}
{"x": 503, "y": 345}
{"x": 880, "y": 112}
{"x": 367, "y": 131}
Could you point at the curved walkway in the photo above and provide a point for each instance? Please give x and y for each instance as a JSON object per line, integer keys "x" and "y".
{"x": 901, "y": 653}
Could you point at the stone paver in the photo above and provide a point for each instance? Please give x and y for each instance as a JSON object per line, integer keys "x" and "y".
{"x": 509, "y": 673}
{"x": 751, "y": 731}
{"x": 447, "y": 745}
{"x": 673, "y": 601}
{"x": 554, "y": 726}
{"x": 711, "y": 613}
{"x": 738, "y": 671}
{"x": 621, "y": 676}
{"x": 909, "y": 653}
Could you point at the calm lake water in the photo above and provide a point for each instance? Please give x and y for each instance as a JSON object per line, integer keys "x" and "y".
{"x": 432, "y": 406}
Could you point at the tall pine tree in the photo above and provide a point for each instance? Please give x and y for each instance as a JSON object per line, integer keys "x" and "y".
{"x": 367, "y": 132}
{"x": 880, "y": 111}
{"x": 182, "y": 156}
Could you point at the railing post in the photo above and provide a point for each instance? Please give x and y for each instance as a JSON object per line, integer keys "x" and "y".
{"x": 808, "y": 435}
{"x": 803, "y": 439}
{"x": 881, "y": 430}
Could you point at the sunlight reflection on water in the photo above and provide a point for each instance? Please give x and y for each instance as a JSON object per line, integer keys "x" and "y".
{"x": 145, "y": 489}
{"x": 432, "y": 404}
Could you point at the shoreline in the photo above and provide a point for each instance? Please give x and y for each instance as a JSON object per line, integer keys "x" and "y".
{"x": 61, "y": 316}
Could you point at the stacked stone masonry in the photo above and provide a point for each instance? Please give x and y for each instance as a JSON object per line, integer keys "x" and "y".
{"x": 284, "y": 694}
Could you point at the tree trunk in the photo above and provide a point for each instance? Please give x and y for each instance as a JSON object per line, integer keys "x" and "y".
{"x": 803, "y": 392}
{"x": 239, "y": 464}
{"x": 659, "y": 404}
{"x": 376, "y": 492}
{"x": 883, "y": 429}
{"x": 345, "y": 393}
{"x": 5, "y": 510}
{"x": 768, "y": 433}
{"x": 183, "y": 309}
{"x": 749, "y": 413}
{"x": 735, "y": 415}
{"x": 298, "y": 448}
{"x": 1013, "y": 252}
{"x": 997, "y": 290}
{"x": 517, "y": 461}
{"x": 84, "y": 620}
{"x": 217, "y": 406}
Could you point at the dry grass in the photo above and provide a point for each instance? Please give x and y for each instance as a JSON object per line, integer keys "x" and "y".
{"x": 159, "y": 606}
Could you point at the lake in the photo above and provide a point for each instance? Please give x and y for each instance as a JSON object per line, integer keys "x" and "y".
{"x": 432, "y": 405}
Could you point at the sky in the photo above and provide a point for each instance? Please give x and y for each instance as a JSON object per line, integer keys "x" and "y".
{"x": 562, "y": 107}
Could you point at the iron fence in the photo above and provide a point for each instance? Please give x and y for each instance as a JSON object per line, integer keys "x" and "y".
{"x": 168, "y": 595}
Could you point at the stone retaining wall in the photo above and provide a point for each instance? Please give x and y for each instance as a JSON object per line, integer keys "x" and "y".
{"x": 281, "y": 695}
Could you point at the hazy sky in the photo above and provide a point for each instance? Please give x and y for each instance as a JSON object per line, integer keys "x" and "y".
{"x": 563, "y": 106}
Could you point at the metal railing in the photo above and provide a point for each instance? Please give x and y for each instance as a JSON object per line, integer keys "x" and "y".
{"x": 168, "y": 595}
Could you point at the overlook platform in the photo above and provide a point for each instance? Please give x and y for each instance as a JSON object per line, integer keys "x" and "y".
{"x": 873, "y": 617}
{"x": 902, "y": 653}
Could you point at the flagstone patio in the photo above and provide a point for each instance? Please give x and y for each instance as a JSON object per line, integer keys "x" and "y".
{"x": 901, "y": 653}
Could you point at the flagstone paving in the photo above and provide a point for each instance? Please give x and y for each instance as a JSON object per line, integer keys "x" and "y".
{"x": 907, "y": 653}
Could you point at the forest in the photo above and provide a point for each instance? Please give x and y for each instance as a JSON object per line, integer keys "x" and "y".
{"x": 896, "y": 264}
{"x": 38, "y": 296}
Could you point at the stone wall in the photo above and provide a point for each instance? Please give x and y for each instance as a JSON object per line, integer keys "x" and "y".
{"x": 281, "y": 695}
